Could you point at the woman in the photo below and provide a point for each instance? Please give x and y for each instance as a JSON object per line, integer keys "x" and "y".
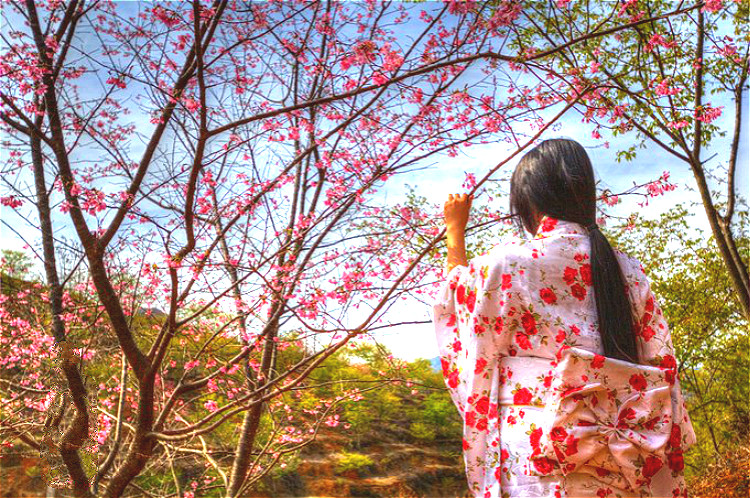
{"x": 555, "y": 351}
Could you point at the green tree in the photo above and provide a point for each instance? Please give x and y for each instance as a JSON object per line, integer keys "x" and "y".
{"x": 16, "y": 264}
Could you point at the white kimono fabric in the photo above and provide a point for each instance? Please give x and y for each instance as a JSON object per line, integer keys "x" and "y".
{"x": 545, "y": 414}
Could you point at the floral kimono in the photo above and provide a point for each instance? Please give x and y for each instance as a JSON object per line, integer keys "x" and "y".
{"x": 545, "y": 414}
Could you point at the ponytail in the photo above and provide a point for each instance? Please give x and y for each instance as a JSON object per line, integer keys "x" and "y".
{"x": 556, "y": 178}
{"x": 613, "y": 307}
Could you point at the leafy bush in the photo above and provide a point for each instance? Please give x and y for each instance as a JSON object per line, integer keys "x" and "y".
{"x": 352, "y": 461}
{"x": 422, "y": 431}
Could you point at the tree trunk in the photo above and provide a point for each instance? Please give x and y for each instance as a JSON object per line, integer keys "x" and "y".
{"x": 78, "y": 431}
{"x": 251, "y": 422}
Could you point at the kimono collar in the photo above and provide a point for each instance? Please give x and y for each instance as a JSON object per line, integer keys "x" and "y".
{"x": 549, "y": 226}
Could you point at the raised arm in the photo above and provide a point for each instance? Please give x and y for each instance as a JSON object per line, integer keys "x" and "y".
{"x": 456, "y": 214}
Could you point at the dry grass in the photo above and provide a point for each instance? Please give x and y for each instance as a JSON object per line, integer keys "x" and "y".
{"x": 725, "y": 479}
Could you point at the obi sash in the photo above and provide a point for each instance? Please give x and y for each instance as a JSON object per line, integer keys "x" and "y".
{"x": 616, "y": 420}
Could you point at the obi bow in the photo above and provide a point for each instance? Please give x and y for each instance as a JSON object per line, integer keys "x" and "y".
{"x": 606, "y": 417}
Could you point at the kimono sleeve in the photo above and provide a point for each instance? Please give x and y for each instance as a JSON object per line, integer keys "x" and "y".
{"x": 655, "y": 348}
{"x": 467, "y": 314}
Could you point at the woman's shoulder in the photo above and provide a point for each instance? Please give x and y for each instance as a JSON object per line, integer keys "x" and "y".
{"x": 512, "y": 255}
{"x": 508, "y": 250}
{"x": 516, "y": 251}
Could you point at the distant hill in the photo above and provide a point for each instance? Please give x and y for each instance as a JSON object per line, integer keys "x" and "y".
{"x": 155, "y": 312}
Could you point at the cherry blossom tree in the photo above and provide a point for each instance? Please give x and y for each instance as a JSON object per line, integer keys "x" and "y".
{"x": 221, "y": 168}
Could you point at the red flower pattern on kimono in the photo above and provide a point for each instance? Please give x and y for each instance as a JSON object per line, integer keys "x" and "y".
{"x": 507, "y": 324}
{"x": 548, "y": 295}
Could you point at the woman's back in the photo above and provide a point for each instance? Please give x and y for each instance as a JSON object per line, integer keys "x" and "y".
{"x": 510, "y": 327}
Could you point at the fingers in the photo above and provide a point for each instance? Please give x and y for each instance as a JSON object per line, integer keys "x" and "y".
{"x": 466, "y": 198}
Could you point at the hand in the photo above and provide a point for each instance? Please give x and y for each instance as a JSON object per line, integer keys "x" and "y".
{"x": 456, "y": 211}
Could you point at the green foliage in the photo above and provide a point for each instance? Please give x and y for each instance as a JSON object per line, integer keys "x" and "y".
{"x": 434, "y": 417}
{"x": 361, "y": 418}
{"x": 17, "y": 264}
{"x": 423, "y": 431}
{"x": 292, "y": 465}
{"x": 352, "y": 461}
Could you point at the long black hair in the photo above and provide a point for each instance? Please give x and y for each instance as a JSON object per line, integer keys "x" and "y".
{"x": 556, "y": 178}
